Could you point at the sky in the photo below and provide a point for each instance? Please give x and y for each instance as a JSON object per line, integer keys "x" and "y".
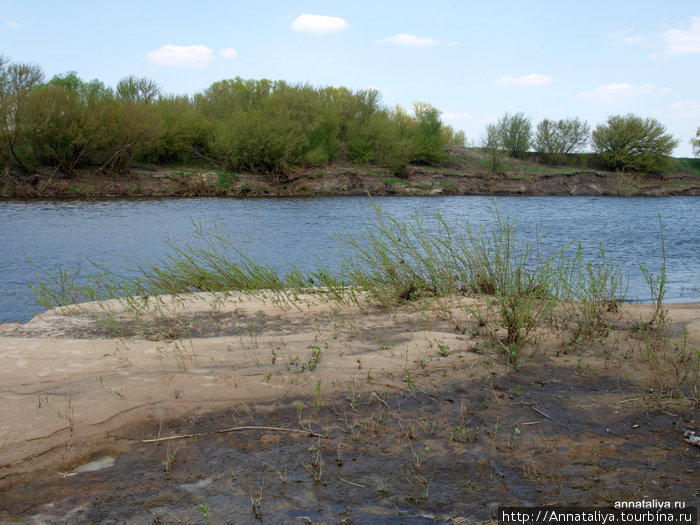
{"x": 473, "y": 60}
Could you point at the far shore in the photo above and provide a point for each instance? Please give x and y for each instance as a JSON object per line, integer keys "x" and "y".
{"x": 570, "y": 413}
{"x": 467, "y": 175}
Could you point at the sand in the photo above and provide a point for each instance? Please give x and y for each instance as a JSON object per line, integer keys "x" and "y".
{"x": 69, "y": 390}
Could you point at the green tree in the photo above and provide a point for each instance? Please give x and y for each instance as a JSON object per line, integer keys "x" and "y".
{"x": 696, "y": 143}
{"x": 561, "y": 137}
{"x": 16, "y": 83}
{"x": 428, "y": 140}
{"x": 61, "y": 135}
{"x": 183, "y": 131}
{"x": 67, "y": 119}
{"x": 630, "y": 143}
{"x": 131, "y": 128}
{"x": 493, "y": 148}
{"x": 135, "y": 89}
{"x": 514, "y": 134}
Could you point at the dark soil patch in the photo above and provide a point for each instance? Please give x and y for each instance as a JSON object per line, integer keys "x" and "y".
{"x": 540, "y": 435}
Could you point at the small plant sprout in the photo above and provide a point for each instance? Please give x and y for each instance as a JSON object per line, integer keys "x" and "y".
{"x": 341, "y": 446}
{"x": 300, "y": 408}
{"x": 205, "y": 510}
{"x": 170, "y": 455}
{"x": 281, "y": 475}
{"x": 315, "y": 468}
{"x": 416, "y": 457}
{"x": 256, "y": 502}
{"x": 443, "y": 350}
{"x": 353, "y": 399}
{"x": 318, "y": 399}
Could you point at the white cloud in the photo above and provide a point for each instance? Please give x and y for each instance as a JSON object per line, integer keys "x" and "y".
{"x": 14, "y": 24}
{"x": 229, "y": 53}
{"x": 452, "y": 44}
{"x": 684, "y": 39}
{"x": 318, "y": 24}
{"x": 614, "y": 92}
{"x": 403, "y": 39}
{"x": 533, "y": 79}
{"x": 183, "y": 56}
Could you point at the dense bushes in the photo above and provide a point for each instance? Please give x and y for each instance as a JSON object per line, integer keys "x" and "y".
{"x": 68, "y": 123}
{"x": 259, "y": 126}
{"x": 630, "y": 143}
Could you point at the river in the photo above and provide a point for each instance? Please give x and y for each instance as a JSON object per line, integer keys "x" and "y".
{"x": 39, "y": 236}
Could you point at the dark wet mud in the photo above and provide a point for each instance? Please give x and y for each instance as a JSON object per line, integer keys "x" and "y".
{"x": 540, "y": 435}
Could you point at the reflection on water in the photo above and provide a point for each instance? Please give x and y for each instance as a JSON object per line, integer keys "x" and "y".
{"x": 38, "y": 236}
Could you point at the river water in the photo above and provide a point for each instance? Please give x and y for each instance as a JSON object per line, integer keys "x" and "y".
{"x": 37, "y": 237}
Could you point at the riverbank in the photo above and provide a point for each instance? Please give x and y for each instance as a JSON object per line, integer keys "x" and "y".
{"x": 243, "y": 408}
{"x": 467, "y": 174}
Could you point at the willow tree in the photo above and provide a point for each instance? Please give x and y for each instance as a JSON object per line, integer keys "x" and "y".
{"x": 16, "y": 84}
{"x": 631, "y": 143}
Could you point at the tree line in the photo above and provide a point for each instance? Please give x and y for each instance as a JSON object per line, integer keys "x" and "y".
{"x": 259, "y": 126}
{"x": 624, "y": 142}
{"x": 67, "y": 124}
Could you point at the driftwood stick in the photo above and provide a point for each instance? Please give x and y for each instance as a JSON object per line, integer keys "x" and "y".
{"x": 235, "y": 429}
{"x": 277, "y": 429}
{"x": 540, "y": 412}
{"x": 169, "y": 438}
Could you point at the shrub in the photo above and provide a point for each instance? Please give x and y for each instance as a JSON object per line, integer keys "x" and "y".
{"x": 371, "y": 140}
{"x": 323, "y": 143}
{"x": 428, "y": 141}
{"x": 16, "y": 84}
{"x": 491, "y": 145}
{"x": 514, "y": 134}
{"x": 630, "y": 143}
{"x": 561, "y": 137}
{"x": 61, "y": 135}
{"x": 128, "y": 129}
{"x": 135, "y": 89}
{"x": 67, "y": 118}
{"x": 183, "y": 130}
{"x": 258, "y": 141}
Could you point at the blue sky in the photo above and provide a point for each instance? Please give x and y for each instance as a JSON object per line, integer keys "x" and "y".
{"x": 472, "y": 60}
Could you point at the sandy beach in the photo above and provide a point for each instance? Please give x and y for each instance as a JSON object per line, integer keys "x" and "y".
{"x": 77, "y": 384}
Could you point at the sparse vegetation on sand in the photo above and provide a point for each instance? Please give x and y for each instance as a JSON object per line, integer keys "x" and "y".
{"x": 520, "y": 289}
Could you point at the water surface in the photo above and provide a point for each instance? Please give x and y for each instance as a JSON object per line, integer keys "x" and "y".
{"x": 36, "y": 237}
